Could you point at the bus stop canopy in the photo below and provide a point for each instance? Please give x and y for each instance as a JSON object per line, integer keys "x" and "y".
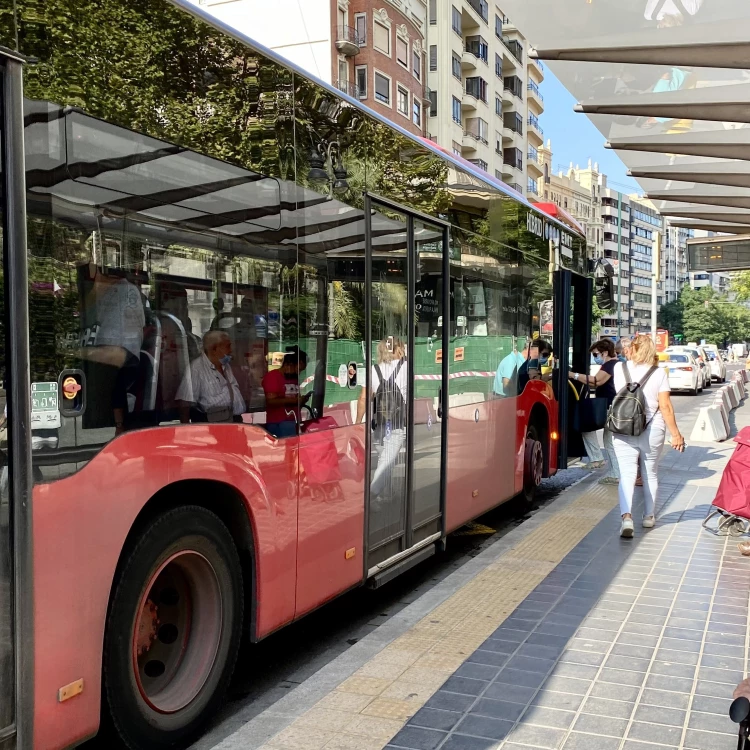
{"x": 667, "y": 83}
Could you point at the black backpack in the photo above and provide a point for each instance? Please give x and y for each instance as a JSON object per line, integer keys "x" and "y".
{"x": 389, "y": 410}
{"x": 627, "y": 414}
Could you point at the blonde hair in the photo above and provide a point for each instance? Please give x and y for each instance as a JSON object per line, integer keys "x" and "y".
{"x": 397, "y": 352}
{"x": 643, "y": 350}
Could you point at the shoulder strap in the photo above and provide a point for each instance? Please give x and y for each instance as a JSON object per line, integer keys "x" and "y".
{"x": 626, "y": 372}
{"x": 398, "y": 367}
{"x": 380, "y": 374}
{"x": 648, "y": 375}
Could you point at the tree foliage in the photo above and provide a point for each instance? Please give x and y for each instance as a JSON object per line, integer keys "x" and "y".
{"x": 705, "y": 314}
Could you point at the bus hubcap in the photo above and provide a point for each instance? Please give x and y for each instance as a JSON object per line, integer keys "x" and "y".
{"x": 177, "y": 631}
{"x": 533, "y": 463}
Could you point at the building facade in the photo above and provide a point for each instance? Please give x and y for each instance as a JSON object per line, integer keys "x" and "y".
{"x": 485, "y": 100}
{"x": 375, "y": 51}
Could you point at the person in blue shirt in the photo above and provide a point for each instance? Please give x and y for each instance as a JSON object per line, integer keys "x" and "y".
{"x": 506, "y": 377}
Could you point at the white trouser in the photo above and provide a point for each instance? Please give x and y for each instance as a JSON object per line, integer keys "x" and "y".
{"x": 387, "y": 456}
{"x": 612, "y": 469}
{"x": 591, "y": 441}
{"x": 646, "y": 449}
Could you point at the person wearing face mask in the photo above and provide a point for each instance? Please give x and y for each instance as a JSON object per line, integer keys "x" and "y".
{"x": 532, "y": 369}
{"x": 281, "y": 388}
{"x": 209, "y": 392}
{"x": 606, "y": 357}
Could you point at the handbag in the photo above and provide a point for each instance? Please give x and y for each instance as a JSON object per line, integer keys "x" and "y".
{"x": 591, "y": 414}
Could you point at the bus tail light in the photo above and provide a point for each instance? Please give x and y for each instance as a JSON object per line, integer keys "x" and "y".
{"x": 554, "y": 435}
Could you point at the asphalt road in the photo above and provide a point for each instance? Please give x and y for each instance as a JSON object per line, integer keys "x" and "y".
{"x": 269, "y": 670}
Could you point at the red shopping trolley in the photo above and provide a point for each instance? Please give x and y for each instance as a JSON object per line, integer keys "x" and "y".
{"x": 730, "y": 510}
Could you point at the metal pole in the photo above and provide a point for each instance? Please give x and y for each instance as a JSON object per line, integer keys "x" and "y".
{"x": 19, "y": 407}
{"x": 655, "y": 277}
{"x": 619, "y": 265}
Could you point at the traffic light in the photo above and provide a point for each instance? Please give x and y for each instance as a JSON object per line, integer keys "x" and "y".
{"x": 603, "y": 285}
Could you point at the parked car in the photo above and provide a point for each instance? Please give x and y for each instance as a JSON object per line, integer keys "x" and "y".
{"x": 683, "y": 371}
{"x": 700, "y": 357}
{"x": 715, "y": 363}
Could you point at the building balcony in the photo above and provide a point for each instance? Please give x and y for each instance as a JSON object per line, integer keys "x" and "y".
{"x": 348, "y": 88}
{"x": 510, "y": 171}
{"x": 534, "y": 131}
{"x": 469, "y": 102}
{"x": 347, "y": 41}
{"x": 536, "y": 68}
{"x": 469, "y": 61}
{"x": 534, "y": 97}
{"x": 534, "y": 168}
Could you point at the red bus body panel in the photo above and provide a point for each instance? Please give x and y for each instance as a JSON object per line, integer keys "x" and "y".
{"x": 304, "y": 497}
{"x": 85, "y": 518}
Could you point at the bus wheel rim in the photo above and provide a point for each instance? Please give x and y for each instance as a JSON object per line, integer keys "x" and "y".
{"x": 177, "y": 632}
{"x": 534, "y": 463}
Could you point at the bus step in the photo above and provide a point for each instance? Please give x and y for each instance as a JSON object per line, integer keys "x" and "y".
{"x": 379, "y": 579}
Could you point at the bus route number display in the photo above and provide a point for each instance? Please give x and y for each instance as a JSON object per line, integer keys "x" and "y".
{"x": 45, "y": 410}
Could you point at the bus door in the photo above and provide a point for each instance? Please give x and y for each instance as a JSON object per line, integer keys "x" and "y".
{"x": 405, "y": 265}
{"x": 573, "y": 296}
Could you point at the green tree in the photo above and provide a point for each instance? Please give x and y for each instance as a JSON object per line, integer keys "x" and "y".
{"x": 670, "y": 316}
{"x": 711, "y": 316}
{"x": 740, "y": 286}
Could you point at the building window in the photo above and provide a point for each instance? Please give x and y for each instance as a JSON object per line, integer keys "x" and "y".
{"x": 456, "y": 110}
{"x": 417, "y": 63}
{"x": 383, "y": 88}
{"x": 417, "y": 112}
{"x": 498, "y": 27}
{"x": 433, "y": 103}
{"x": 433, "y": 57}
{"x": 402, "y": 103}
{"x": 402, "y": 52}
{"x": 498, "y": 66}
{"x": 513, "y": 84}
{"x": 433, "y": 12}
{"x": 382, "y": 38}
{"x": 477, "y": 87}
{"x": 498, "y": 106}
{"x": 456, "y": 148}
{"x": 456, "y": 66}
{"x": 360, "y": 73}
{"x": 456, "y": 20}
{"x": 360, "y": 26}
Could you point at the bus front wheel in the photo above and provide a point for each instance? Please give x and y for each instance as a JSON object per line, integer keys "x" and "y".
{"x": 533, "y": 464}
{"x": 173, "y": 629}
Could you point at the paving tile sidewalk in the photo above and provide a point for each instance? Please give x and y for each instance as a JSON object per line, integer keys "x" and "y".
{"x": 625, "y": 645}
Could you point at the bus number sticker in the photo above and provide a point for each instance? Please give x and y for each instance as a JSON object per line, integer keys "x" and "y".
{"x": 458, "y": 355}
{"x": 45, "y": 410}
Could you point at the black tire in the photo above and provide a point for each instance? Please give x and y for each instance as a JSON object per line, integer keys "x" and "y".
{"x": 186, "y": 547}
{"x": 532, "y": 471}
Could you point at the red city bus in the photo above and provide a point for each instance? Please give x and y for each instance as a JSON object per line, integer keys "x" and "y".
{"x": 272, "y": 347}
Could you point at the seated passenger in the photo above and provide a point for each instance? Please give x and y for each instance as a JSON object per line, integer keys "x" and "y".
{"x": 281, "y": 388}
{"x": 209, "y": 393}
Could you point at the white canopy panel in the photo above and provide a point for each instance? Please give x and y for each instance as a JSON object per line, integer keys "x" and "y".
{"x": 667, "y": 83}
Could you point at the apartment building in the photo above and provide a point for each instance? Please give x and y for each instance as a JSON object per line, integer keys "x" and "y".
{"x": 674, "y": 260}
{"x": 373, "y": 51}
{"x": 485, "y": 100}
{"x": 578, "y": 192}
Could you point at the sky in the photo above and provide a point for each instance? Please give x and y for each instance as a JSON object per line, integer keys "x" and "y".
{"x": 574, "y": 138}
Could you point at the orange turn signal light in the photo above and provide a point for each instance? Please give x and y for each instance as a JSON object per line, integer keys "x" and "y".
{"x": 554, "y": 435}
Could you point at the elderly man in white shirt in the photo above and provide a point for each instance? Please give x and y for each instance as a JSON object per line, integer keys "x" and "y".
{"x": 210, "y": 388}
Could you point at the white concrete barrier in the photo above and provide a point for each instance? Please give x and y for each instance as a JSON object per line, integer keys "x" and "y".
{"x": 732, "y": 394}
{"x": 710, "y": 425}
{"x": 739, "y": 391}
{"x": 721, "y": 399}
{"x": 745, "y": 375}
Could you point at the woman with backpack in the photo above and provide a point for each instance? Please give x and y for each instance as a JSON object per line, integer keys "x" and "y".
{"x": 639, "y": 417}
{"x": 389, "y": 389}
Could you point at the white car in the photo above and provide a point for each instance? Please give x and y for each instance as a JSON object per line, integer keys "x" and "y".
{"x": 700, "y": 359}
{"x": 715, "y": 363}
{"x": 683, "y": 371}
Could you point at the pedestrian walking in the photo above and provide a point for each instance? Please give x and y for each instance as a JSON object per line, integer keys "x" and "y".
{"x": 645, "y": 449}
